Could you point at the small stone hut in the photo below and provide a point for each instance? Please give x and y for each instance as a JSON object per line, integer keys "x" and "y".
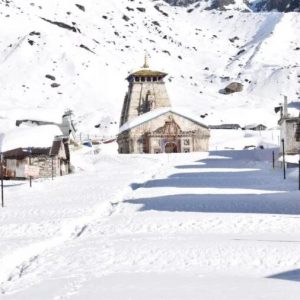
{"x": 51, "y": 161}
{"x": 290, "y": 126}
{"x": 42, "y": 150}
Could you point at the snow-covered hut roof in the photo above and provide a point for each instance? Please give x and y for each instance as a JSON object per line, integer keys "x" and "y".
{"x": 25, "y": 137}
{"x": 254, "y": 125}
{"x": 158, "y": 112}
{"x": 44, "y": 115}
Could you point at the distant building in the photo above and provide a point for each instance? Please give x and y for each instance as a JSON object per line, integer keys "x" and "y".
{"x": 225, "y": 126}
{"x": 255, "y": 127}
{"x": 290, "y": 126}
{"x": 148, "y": 124}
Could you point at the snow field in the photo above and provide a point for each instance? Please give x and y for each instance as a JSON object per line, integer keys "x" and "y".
{"x": 44, "y": 226}
{"x": 200, "y": 222}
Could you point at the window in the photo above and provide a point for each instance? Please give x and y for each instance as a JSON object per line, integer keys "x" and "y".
{"x": 186, "y": 142}
{"x": 186, "y": 150}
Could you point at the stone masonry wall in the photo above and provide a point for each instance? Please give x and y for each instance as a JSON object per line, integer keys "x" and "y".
{"x": 138, "y": 92}
{"x": 44, "y": 163}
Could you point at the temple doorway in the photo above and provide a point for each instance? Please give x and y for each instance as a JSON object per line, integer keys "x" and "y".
{"x": 171, "y": 148}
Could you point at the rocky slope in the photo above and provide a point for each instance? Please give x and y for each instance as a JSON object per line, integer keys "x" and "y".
{"x": 76, "y": 55}
{"x": 261, "y": 5}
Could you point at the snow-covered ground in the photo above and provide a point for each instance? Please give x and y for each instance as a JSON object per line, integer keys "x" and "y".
{"x": 218, "y": 225}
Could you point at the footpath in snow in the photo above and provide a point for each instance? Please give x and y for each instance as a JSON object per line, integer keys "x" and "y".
{"x": 222, "y": 225}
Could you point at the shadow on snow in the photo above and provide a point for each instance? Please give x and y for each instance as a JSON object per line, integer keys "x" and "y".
{"x": 293, "y": 275}
{"x": 276, "y": 199}
{"x": 265, "y": 204}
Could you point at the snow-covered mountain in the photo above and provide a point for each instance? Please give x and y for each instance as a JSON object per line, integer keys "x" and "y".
{"x": 251, "y": 5}
{"x": 57, "y": 55}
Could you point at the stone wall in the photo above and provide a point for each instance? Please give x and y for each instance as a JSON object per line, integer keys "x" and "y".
{"x": 44, "y": 163}
{"x": 137, "y": 94}
{"x": 195, "y": 137}
{"x": 287, "y": 132}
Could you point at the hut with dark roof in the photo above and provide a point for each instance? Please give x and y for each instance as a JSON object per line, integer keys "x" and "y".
{"x": 49, "y": 161}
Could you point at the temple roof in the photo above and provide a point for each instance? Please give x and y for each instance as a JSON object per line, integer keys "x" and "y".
{"x": 147, "y": 73}
{"x": 158, "y": 112}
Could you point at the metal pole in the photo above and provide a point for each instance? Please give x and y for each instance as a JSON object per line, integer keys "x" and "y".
{"x": 52, "y": 167}
{"x": 283, "y": 159}
{"x": 273, "y": 159}
{"x": 30, "y": 178}
{"x": 299, "y": 174}
{"x": 2, "y": 189}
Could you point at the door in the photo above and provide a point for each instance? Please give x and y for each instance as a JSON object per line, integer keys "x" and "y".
{"x": 171, "y": 148}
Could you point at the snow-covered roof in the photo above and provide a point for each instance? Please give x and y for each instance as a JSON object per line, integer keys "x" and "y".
{"x": 158, "y": 112}
{"x": 254, "y": 125}
{"x": 46, "y": 115}
{"x": 36, "y": 137}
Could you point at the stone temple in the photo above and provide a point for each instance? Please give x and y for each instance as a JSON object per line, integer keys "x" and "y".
{"x": 149, "y": 124}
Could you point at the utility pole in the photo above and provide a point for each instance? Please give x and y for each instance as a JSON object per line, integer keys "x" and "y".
{"x": 2, "y": 171}
{"x": 52, "y": 167}
{"x": 283, "y": 159}
{"x": 299, "y": 173}
{"x": 30, "y": 178}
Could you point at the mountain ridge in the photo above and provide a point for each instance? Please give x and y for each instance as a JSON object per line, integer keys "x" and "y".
{"x": 255, "y": 6}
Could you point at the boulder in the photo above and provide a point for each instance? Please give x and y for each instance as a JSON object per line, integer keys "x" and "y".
{"x": 233, "y": 87}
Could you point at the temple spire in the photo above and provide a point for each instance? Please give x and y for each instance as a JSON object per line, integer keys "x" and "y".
{"x": 146, "y": 64}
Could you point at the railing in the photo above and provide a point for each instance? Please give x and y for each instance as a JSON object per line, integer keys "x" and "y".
{"x": 81, "y": 137}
